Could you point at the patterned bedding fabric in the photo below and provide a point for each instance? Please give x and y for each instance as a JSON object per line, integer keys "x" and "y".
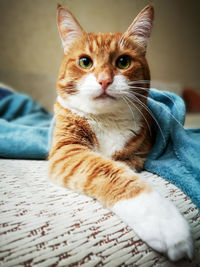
{"x": 44, "y": 225}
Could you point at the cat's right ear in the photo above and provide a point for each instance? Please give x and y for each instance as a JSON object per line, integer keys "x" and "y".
{"x": 141, "y": 27}
{"x": 69, "y": 28}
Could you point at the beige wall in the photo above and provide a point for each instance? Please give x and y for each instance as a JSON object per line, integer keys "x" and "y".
{"x": 30, "y": 49}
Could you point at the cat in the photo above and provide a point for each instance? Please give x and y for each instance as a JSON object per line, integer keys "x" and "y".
{"x": 103, "y": 131}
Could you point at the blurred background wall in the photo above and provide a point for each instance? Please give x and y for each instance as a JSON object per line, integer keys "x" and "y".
{"x": 31, "y": 51}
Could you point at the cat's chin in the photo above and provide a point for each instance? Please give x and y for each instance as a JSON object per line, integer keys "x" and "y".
{"x": 104, "y": 97}
{"x": 101, "y": 106}
{"x": 104, "y": 104}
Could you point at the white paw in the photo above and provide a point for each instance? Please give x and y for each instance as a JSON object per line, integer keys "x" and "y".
{"x": 158, "y": 223}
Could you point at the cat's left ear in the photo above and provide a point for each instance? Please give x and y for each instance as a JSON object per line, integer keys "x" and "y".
{"x": 69, "y": 28}
{"x": 140, "y": 29}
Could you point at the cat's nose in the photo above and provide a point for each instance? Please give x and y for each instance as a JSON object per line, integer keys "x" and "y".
{"x": 105, "y": 81}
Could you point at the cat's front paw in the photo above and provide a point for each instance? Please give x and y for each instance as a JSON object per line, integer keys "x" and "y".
{"x": 158, "y": 223}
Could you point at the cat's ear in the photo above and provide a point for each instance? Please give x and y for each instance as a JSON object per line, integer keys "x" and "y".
{"x": 140, "y": 29}
{"x": 69, "y": 28}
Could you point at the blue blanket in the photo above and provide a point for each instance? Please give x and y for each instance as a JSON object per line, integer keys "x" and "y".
{"x": 25, "y": 127}
{"x": 176, "y": 153}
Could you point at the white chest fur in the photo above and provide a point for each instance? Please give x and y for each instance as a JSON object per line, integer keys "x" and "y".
{"x": 112, "y": 132}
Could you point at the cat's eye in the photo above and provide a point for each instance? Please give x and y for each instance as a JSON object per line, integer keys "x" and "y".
{"x": 85, "y": 62}
{"x": 123, "y": 62}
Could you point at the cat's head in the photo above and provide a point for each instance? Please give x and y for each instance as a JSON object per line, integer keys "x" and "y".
{"x": 101, "y": 73}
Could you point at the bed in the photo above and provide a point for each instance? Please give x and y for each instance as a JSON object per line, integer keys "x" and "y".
{"x": 46, "y": 225}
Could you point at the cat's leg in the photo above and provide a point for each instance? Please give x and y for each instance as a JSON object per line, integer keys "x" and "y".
{"x": 114, "y": 184}
{"x": 157, "y": 222}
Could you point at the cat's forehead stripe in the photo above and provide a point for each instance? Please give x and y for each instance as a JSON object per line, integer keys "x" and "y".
{"x": 99, "y": 38}
{"x": 103, "y": 41}
{"x": 94, "y": 45}
{"x": 113, "y": 44}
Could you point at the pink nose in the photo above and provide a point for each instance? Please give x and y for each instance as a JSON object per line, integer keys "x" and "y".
{"x": 105, "y": 82}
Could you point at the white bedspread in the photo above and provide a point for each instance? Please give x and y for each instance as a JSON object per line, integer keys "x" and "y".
{"x": 42, "y": 224}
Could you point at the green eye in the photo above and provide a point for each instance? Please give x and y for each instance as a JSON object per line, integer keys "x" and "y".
{"x": 123, "y": 62}
{"x": 85, "y": 62}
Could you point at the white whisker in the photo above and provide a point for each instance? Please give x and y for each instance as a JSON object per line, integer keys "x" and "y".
{"x": 150, "y": 112}
{"x": 139, "y": 81}
{"x": 127, "y": 98}
{"x": 161, "y": 92}
{"x": 124, "y": 98}
{"x": 160, "y": 106}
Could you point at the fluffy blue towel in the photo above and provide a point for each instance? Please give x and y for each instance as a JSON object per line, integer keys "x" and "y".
{"x": 24, "y": 127}
{"x": 176, "y": 153}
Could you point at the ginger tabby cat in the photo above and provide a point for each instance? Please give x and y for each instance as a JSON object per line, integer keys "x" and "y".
{"x": 103, "y": 130}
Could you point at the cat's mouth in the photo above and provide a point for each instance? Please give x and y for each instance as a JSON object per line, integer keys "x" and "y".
{"x": 104, "y": 95}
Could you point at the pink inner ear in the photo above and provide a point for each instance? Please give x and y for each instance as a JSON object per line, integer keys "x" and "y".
{"x": 68, "y": 26}
{"x": 140, "y": 29}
